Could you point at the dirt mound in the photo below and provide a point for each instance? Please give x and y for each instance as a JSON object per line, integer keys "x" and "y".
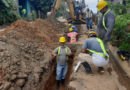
{"x": 25, "y": 54}
{"x": 40, "y": 30}
{"x": 58, "y": 24}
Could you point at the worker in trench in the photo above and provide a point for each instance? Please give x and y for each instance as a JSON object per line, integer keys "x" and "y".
{"x": 105, "y": 23}
{"x": 73, "y": 27}
{"x": 95, "y": 47}
{"x": 72, "y": 35}
{"x": 61, "y": 54}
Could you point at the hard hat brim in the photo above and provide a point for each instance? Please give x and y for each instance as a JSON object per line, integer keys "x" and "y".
{"x": 98, "y": 9}
{"x": 62, "y": 41}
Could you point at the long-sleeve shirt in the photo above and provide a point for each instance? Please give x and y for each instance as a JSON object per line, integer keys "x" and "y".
{"x": 109, "y": 22}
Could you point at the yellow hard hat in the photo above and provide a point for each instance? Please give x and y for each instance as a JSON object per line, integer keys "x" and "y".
{"x": 92, "y": 33}
{"x": 70, "y": 29}
{"x": 62, "y": 39}
{"x": 101, "y": 4}
{"x": 69, "y": 25}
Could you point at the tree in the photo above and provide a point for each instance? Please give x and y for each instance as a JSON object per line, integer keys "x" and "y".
{"x": 5, "y": 14}
{"x": 43, "y": 6}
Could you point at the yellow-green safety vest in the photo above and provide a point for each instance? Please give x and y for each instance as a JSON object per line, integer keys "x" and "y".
{"x": 59, "y": 51}
{"x": 104, "y": 55}
{"x": 103, "y": 21}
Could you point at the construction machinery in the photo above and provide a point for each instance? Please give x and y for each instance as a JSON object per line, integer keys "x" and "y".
{"x": 76, "y": 15}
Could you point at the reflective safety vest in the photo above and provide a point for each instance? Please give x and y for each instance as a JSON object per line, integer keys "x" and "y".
{"x": 104, "y": 55}
{"x": 60, "y": 49}
{"x": 103, "y": 21}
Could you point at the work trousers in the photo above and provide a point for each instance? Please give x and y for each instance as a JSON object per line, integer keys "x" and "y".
{"x": 89, "y": 23}
{"x": 61, "y": 71}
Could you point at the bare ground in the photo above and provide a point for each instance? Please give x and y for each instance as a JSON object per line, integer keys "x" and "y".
{"x": 26, "y": 63}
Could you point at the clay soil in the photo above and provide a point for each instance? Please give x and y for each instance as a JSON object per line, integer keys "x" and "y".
{"x": 51, "y": 82}
{"x": 25, "y": 54}
{"x": 26, "y": 63}
{"x": 113, "y": 78}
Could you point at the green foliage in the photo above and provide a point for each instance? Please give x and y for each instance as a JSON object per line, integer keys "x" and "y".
{"x": 125, "y": 47}
{"x": 120, "y": 28}
{"x": 5, "y": 18}
{"x": 23, "y": 12}
{"x": 121, "y": 31}
{"x": 119, "y": 9}
{"x": 43, "y": 5}
{"x": 9, "y": 4}
{"x": 5, "y": 15}
{"x": 34, "y": 15}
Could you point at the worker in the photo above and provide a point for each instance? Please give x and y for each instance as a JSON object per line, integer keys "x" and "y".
{"x": 72, "y": 35}
{"x": 73, "y": 27}
{"x": 95, "y": 47}
{"x": 83, "y": 9}
{"x": 61, "y": 53}
{"x": 77, "y": 9}
{"x": 106, "y": 22}
{"x": 88, "y": 19}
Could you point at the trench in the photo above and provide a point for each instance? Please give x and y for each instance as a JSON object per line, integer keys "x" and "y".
{"x": 123, "y": 79}
{"x": 51, "y": 82}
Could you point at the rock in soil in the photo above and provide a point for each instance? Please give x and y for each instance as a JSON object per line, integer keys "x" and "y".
{"x": 20, "y": 82}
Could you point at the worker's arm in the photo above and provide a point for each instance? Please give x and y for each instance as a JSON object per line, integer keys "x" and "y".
{"x": 85, "y": 46}
{"x": 54, "y": 53}
{"x": 69, "y": 52}
{"x": 85, "y": 51}
{"x": 109, "y": 24}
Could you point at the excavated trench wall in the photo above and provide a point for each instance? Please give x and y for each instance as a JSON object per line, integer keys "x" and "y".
{"x": 50, "y": 83}
{"x": 25, "y": 54}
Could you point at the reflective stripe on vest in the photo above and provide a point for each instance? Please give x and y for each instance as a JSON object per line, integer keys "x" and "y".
{"x": 104, "y": 55}
{"x": 103, "y": 21}
{"x": 60, "y": 49}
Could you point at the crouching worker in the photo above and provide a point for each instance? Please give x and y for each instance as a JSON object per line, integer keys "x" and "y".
{"x": 72, "y": 35}
{"x": 95, "y": 47}
{"x": 61, "y": 53}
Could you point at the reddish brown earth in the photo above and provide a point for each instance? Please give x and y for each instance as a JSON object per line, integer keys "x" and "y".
{"x": 25, "y": 54}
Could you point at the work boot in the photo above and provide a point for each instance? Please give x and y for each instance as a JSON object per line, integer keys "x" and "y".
{"x": 101, "y": 70}
{"x": 63, "y": 83}
{"x": 87, "y": 68}
{"x": 58, "y": 85}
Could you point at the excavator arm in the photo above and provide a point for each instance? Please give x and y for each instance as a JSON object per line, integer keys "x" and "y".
{"x": 71, "y": 8}
{"x": 70, "y": 3}
{"x": 56, "y": 6}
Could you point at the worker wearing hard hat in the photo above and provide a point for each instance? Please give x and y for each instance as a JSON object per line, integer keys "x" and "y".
{"x": 106, "y": 22}
{"x": 95, "y": 47}
{"x": 61, "y": 53}
{"x": 72, "y": 35}
{"x": 73, "y": 27}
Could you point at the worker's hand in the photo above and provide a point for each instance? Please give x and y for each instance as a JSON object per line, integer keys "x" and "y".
{"x": 69, "y": 54}
{"x": 83, "y": 51}
{"x": 54, "y": 55}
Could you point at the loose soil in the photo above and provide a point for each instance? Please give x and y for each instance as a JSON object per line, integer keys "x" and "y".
{"x": 51, "y": 82}
{"x": 25, "y": 54}
{"x": 112, "y": 79}
{"x": 26, "y": 63}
